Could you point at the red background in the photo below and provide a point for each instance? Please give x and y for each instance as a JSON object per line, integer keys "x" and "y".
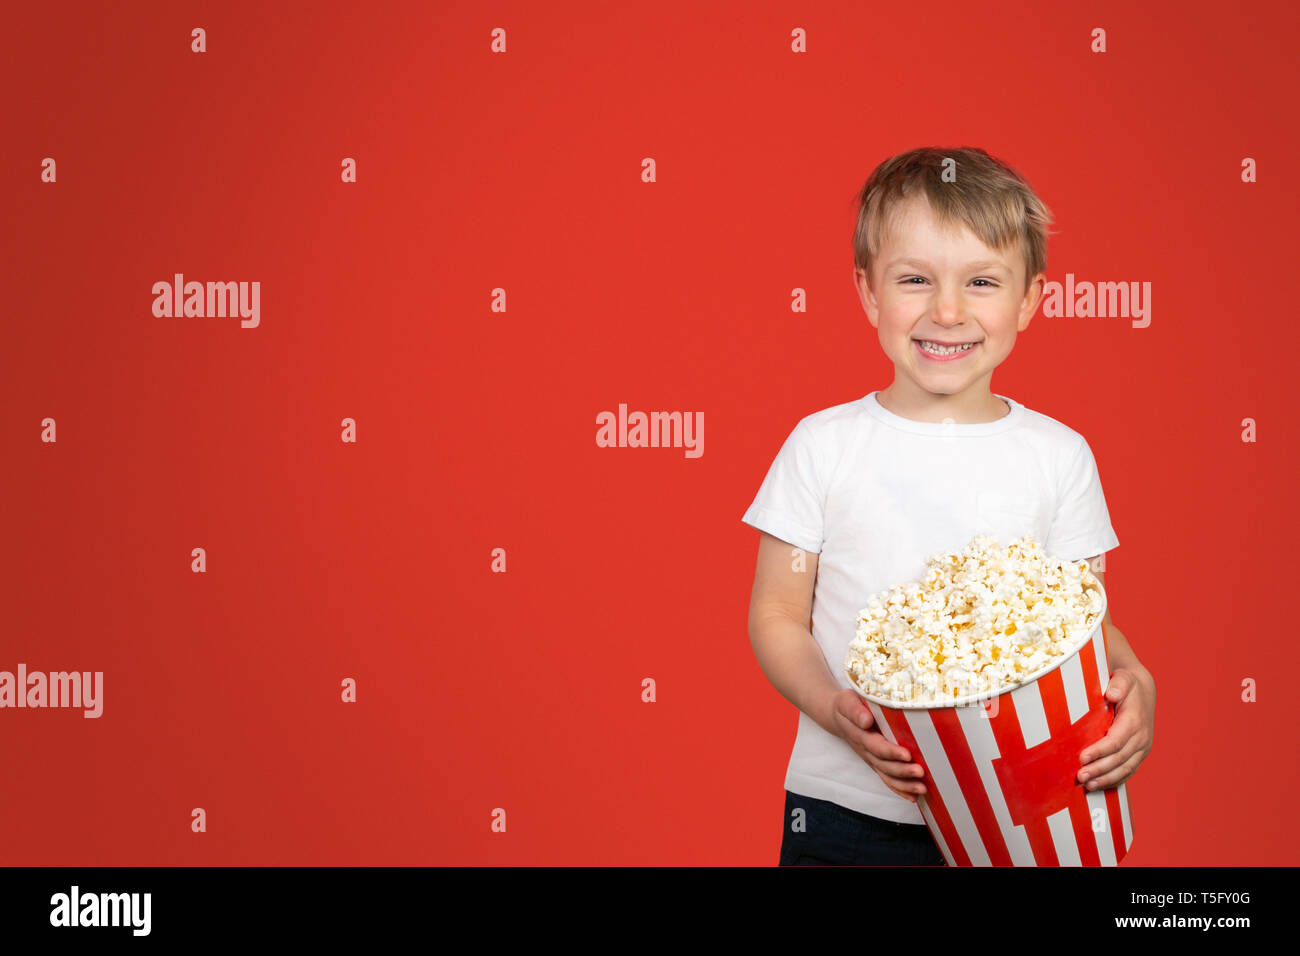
{"x": 476, "y": 428}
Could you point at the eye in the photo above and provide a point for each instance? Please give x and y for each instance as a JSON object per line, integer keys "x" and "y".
{"x": 992, "y": 284}
{"x": 910, "y": 278}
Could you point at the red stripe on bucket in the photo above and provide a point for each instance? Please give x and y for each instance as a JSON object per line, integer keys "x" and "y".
{"x": 1091, "y": 680}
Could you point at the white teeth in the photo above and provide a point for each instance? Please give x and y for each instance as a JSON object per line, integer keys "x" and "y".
{"x": 945, "y": 349}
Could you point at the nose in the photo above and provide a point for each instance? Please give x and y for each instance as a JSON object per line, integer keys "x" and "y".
{"x": 947, "y": 306}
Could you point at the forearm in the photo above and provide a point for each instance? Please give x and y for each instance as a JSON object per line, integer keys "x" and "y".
{"x": 793, "y": 661}
{"x": 1120, "y": 655}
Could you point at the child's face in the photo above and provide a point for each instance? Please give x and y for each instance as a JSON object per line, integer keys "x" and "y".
{"x": 929, "y": 284}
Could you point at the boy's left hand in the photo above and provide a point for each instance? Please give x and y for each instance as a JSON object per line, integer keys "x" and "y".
{"x": 1112, "y": 760}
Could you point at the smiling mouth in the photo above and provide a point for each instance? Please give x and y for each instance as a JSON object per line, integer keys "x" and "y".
{"x": 944, "y": 348}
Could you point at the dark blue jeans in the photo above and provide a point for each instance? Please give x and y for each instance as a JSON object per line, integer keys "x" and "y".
{"x": 836, "y": 835}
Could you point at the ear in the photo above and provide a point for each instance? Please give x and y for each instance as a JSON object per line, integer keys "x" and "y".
{"x": 1029, "y": 305}
{"x": 868, "y": 298}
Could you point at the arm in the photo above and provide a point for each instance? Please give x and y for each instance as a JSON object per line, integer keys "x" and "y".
{"x": 780, "y": 610}
{"x": 1132, "y": 689}
{"x": 1117, "y": 647}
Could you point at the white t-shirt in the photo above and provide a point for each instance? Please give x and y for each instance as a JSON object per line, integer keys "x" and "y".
{"x": 874, "y": 495}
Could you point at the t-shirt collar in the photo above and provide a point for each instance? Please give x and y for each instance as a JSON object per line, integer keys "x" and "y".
{"x": 943, "y": 429}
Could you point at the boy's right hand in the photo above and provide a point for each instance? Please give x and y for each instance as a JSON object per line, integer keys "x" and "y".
{"x": 854, "y": 722}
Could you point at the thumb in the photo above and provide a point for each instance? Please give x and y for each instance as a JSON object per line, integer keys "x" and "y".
{"x": 1120, "y": 682}
{"x": 865, "y": 719}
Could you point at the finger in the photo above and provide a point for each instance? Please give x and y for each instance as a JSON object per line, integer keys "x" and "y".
{"x": 873, "y": 740}
{"x": 883, "y": 750}
{"x": 1121, "y": 682}
{"x": 879, "y": 753}
{"x": 863, "y": 714}
{"x": 846, "y": 722}
{"x": 854, "y": 710}
{"x": 867, "y": 721}
{"x": 1124, "y": 726}
{"x": 1117, "y": 776}
{"x": 909, "y": 790}
{"x": 1098, "y": 768}
{"x": 897, "y": 770}
{"x": 852, "y": 731}
{"x": 911, "y": 797}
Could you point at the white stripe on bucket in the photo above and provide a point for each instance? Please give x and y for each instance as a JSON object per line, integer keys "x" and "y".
{"x": 1029, "y": 711}
{"x": 1099, "y": 655}
{"x": 1067, "y": 850}
{"x": 1123, "y": 815}
{"x": 1076, "y": 695}
{"x": 881, "y": 725}
{"x": 1105, "y": 840}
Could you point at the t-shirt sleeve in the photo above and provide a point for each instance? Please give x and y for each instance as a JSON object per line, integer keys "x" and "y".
{"x": 1081, "y": 527}
{"x": 790, "y": 502}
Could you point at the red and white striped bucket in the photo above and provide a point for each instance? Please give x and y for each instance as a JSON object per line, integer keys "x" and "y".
{"x": 1001, "y": 771}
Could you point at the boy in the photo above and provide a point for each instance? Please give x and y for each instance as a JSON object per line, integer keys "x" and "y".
{"x": 862, "y": 493}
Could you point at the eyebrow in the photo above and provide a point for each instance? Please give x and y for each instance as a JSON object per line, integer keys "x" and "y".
{"x": 917, "y": 263}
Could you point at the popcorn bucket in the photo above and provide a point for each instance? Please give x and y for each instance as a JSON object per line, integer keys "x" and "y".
{"x": 1001, "y": 769}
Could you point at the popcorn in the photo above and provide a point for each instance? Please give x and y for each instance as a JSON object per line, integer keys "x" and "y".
{"x": 980, "y": 621}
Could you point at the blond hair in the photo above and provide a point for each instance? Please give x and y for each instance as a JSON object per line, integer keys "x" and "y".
{"x": 987, "y": 196}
